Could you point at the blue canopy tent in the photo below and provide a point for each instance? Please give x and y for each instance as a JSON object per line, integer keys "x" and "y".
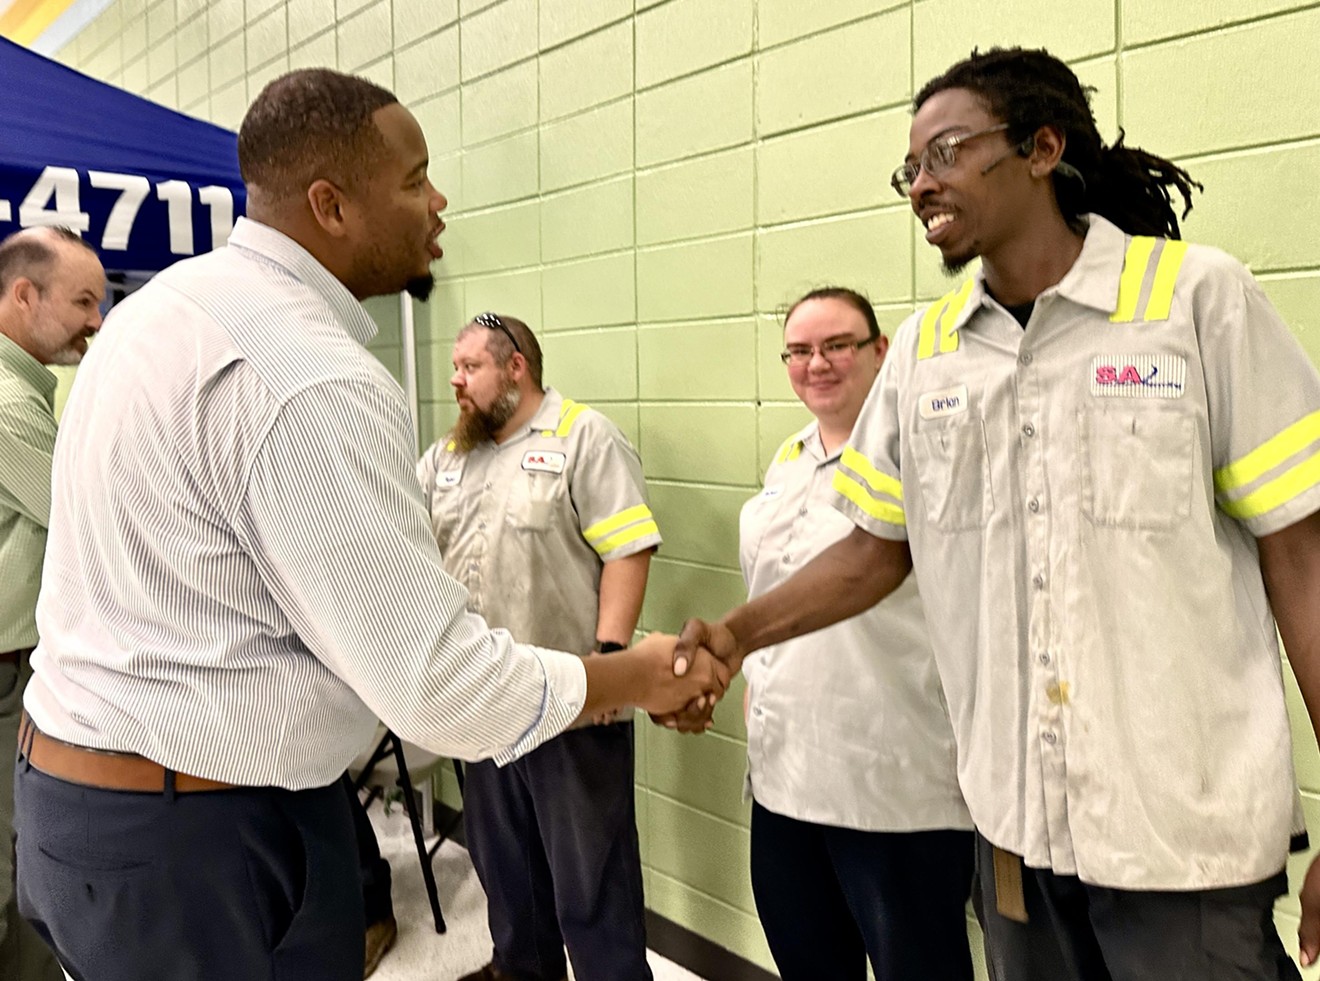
{"x": 145, "y": 185}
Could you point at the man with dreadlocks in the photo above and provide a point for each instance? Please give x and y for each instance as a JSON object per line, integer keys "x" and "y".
{"x": 1101, "y": 455}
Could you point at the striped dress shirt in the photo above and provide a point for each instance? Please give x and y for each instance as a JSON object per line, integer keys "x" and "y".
{"x": 27, "y": 439}
{"x": 241, "y": 575}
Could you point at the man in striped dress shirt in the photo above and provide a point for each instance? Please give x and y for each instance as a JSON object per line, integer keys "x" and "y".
{"x": 538, "y": 505}
{"x": 241, "y": 578}
{"x": 51, "y": 289}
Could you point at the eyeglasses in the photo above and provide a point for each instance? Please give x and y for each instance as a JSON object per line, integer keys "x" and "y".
{"x": 492, "y": 321}
{"x": 835, "y": 352}
{"x": 938, "y": 156}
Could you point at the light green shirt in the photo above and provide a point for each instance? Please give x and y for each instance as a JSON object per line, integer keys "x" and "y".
{"x": 27, "y": 442}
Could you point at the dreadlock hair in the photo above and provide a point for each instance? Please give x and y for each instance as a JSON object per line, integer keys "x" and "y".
{"x": 1029, "y": 89}
{"x": 852, "y": 298}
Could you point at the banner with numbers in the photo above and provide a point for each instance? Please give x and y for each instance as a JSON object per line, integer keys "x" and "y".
{"x": 145, "y": 185}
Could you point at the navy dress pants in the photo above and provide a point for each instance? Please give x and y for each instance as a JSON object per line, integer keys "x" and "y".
{"x": 831, "y": 898}
{"x": 257, "y": 884}
{"x": 553, "y": 837}
{"x": 1079, "y": 932}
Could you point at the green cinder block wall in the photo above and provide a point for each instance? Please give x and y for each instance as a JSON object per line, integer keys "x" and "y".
{"x": 649, "y": 182}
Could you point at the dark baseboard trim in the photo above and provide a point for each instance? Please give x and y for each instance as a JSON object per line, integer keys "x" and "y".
{"x": 698, "y": 954}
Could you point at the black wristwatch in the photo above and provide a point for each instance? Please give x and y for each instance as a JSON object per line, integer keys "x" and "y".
{"x": 608, "y": 647}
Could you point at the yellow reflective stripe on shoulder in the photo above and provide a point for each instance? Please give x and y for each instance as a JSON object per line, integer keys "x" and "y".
{"x": 948, "y": 336}
{"x": 450, "y": 446}
{"x": 928, "y": 333}
{"x": 791, "y": 450}
{"x": 568, "y": 415}
{"x": 625, "y": 537}
{"x": 1134, "y": 274}
{"x": 849, "y": 488}
{"x": 613, "y": 523}
{"x": 1166, "y": 278}
{"x": 936, "y": 334}
{"x": 879, "y": 482}
{"x": 1271, "y": 494}
{"x": 1268, "y": 455}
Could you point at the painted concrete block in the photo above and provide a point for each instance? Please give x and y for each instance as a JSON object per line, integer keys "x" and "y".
{"x": 699, "y": 523}
{"x": 366, "y": 36}
{"x": 712, "y": 444}
{"x": 563, "y": 20}
{"x": 414, "y": 19}
{"x": 706, "y": 852}
{"x": 711, "y": 278}
{"x": 668, "y": 127}
{"x": 708, "y": 361}
{"x": 426, "y": 68}
{"x": 587, "y": 220}
{"x": 594, "y": 292}
{"x": 867, "y": 252}
{"x": 497, "y": 37}
{"x": 267, "y": 38}
{"x": 587, "y": 147}
{"x": 228, "y": 60}
{"x": 307, "y": 18}
{"x": 692, "y": 198}
{"x": 696, "y": 772}
{"x": 1143, "y": 22}
{"x": 588, "y": 72}
{"x": 439, "y": 119}
{"x": 318, "y": 52}
{"x": 594, "y": 365}
{"x": 738, "y": 930}
{"x": 685, "y": 36}
{"x": 503, "y": 238}
{"x": 778, "y": 21}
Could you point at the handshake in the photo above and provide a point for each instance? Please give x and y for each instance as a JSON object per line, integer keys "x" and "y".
{"x": 677, "y": 680}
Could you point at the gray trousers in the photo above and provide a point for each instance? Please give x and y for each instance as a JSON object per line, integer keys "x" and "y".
{"x": 23, "y": 956}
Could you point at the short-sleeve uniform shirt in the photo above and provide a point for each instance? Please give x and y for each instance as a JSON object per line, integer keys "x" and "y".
{"x": 1082, "y": 499}
{"x": 527, "y": 524}
{"x": 846, "y": 726}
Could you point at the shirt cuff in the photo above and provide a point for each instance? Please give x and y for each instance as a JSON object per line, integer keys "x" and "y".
{"x": 565, "y": 694}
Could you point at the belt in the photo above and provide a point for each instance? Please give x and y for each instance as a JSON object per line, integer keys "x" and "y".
{"x": 14, "y": 657}
{"x": 100, "y": 768}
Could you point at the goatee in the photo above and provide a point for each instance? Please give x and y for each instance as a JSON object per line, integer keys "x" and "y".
{"x": 420, "y": 287}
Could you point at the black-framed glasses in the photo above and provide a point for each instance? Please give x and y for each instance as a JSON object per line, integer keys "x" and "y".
{"x": 491, "y": 321}
{"x": 834, "y": 351}
{"x": 938, "y": 156}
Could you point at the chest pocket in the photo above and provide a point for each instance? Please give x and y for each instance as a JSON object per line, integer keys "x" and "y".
{"x": 1138, "y": 468}
{"x": 535, "y": 499}
{"x": 953, "y": 468}
{"x": 445, "y": 508}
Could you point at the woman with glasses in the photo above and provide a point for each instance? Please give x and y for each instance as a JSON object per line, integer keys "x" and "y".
{"x": 861, "y": 844}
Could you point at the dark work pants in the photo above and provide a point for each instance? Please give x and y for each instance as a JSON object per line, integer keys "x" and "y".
{"x": 257, "y": 884}
{"x": 829, "y": 898}
{"x": 553, "y": 837}
{"x": 1077, "y": 932}
{"x": 377, "y": 902}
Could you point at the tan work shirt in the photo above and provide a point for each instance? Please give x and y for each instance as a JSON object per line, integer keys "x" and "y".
{"x": 1082, "y": 499}
{"x": 527, "y": 524}
{"x": 846, "y": 726}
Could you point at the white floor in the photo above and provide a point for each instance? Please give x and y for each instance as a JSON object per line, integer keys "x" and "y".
{"x": 420, "y": 952}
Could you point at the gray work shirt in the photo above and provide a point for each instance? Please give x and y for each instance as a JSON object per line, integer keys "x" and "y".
{"x": 1082, "y": 499}
{"x": 526, "y": 524}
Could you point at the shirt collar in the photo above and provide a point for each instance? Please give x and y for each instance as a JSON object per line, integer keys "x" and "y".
{"x": 1092, "y": 281}
{"x": 276, "y": 247}
{"x": 808, "y": 439}
{"x": 547, "y": 416}
{"x": 28, "y": 369}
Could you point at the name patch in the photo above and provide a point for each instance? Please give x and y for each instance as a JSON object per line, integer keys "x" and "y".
{"x": 1139, "y": 376}
{"x": 771, "y": 492}
{"x": 944, "y": 402}
{"x": 448, "y": 478}
{"x": 550, "y": 461}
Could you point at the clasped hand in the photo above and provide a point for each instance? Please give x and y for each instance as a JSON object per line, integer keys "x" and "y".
{"x": 700, "y": 642}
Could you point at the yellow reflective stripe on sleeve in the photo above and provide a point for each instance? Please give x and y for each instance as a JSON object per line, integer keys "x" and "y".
{"x": 625, "y": 537}
{"x": 1129, "y": 283}
{"x": 1268, "y": 455}
{"x": 880, "y": 510}
{"x": 568, "y": 415}
{"x": 450, "y": 446}
{"x": 879, "y": 482}
{"x": 928, "y": 333}
{"x": 1166, "y": 277}
{"x": 626, "y": 517}
{"x": 1280, "y": 490}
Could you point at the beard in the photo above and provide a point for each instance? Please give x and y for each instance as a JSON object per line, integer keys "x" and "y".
{"x": 955, "y": 264}
{"x": 420, "y": 287}
{"x": 475, "y": 426}
{"x": 66, "y": 357}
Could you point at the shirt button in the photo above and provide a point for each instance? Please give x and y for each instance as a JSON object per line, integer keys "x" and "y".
{"x": 472, "y": 567}
{"x": 487, "y": 485}
{"x": 1025, "y": 357}
{"x": 758, "y": 711}
{"x": 788, "y": 559}
{"x": 1044, "y": 657}
{"x": 482, "y": 524}
{"x": 1049, "y": 736}
{"x": 1038, "y": 581}
{"x": 1028, "y": 431}
{"x": 1033, "y": 505}
{"x": 802, "y": 512}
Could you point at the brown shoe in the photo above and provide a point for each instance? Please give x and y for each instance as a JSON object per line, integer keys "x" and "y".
{"x": 380, "y": 938}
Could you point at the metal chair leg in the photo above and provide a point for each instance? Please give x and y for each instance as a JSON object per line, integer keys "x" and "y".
{"x": 428, "y": 874}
